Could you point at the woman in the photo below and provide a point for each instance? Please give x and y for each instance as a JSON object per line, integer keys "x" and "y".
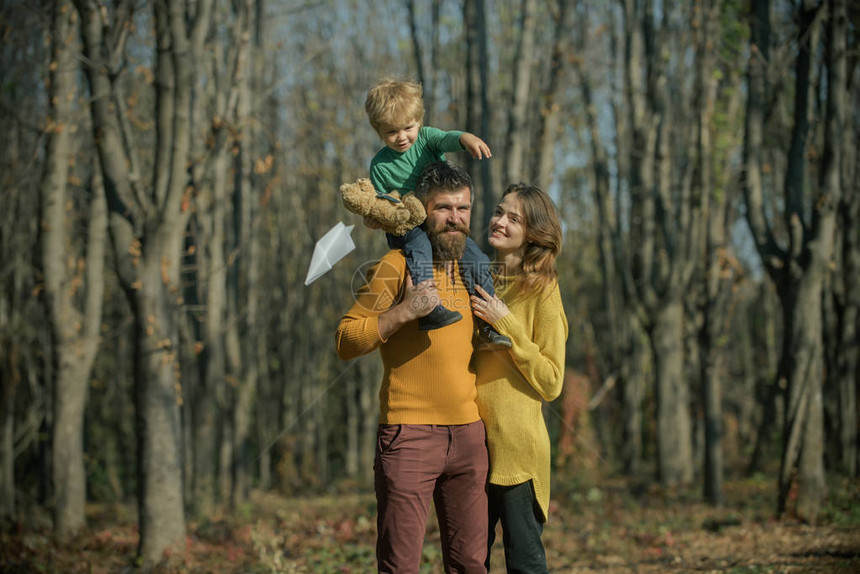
{"x": 526, "y": 234}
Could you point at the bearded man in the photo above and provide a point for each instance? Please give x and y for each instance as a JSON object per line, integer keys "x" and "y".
{"x": 431, "y": 443}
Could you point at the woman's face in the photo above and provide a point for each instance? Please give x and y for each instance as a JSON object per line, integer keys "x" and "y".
{"x": 508, "y": 225}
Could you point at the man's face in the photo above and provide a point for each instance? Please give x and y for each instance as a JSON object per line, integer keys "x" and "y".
{"x": 448, "y": 216}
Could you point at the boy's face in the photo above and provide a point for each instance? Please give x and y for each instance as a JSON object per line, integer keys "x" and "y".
{"x": 400, "y": 138}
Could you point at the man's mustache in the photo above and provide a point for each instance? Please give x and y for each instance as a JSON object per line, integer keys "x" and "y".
{"x": 454, "y": 227}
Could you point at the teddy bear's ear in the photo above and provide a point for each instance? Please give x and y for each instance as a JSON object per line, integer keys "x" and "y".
{"x": 355, "y": 199}
{"x": 366, "y": 186}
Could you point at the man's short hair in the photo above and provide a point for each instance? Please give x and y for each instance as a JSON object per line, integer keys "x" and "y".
{"x": 442, "y": 177}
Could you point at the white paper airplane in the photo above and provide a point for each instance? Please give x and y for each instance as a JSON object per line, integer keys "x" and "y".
{"x": 331, "y": 248}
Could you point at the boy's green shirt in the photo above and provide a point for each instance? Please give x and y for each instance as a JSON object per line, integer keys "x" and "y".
{"x": 398, "y": 171}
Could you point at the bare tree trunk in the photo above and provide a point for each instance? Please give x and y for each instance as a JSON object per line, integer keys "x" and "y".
{"x": 147, "y": 231}
{"x": 416, "y": 47}
{"x": 9, "y": 382}
{"x": 25, "y": 346}
{"x": 210, "y": 396}
{"x": 674, "y": 432}
{"x": 75, "y": 330}
{"x": 799, "y": 270}
{"x": 660, "y": 258}
{"x": 769, "y": 378}
{"x": 353, "y": 428}
{"x": 478, "y": 106}
{"x": 543, "y": 166}
{"x": 844, "y": 319}
{"x": 369, "y": 401}
{"x": 715, "y": 323}
{"x": 247, "y": 291}
{"x": 807, "y": 368}
{"x": 624, "y": 357}
{"x": 516, "y": 140}
{"x": 745, "y": 401}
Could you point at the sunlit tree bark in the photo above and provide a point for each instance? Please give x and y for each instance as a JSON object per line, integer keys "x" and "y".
{"x": 516, "y": 139}
{"x": 147, "y": 230}
{"x": 74, "y": 282}
{"x": 550, "y": 117}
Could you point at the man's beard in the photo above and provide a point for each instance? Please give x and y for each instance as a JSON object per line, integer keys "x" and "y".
{"x": 448, "y": 247}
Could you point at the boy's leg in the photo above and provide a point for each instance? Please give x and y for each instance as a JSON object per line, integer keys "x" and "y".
{"x": 521, "y": 528}
{"x": 419, "y": 260}
{"x": 417, "y": 250}
{"x": 408, "y": 460}
{"x": 461, "y": 500}
{"x": 475, "y": 270}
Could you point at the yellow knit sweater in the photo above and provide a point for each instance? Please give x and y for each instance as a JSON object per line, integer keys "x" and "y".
{"x": 427, "y": 377}
{"x": 511, "y": 385}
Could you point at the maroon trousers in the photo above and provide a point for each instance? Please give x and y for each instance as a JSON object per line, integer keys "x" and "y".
{"x": 449, "y": 464}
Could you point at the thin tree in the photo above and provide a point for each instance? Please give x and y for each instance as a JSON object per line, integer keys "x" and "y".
{"x": 524, "y": 63}
{"x": 74, "y": 281}
{"x": 478, "y": 110}
{"x": 718, "y": 267}
{"x": 658, "y": 258}
{"x": 621, "y": 353}
{"x": 552, "y": 84}
{"x": 842, "y": 312}
{"x": 798, "y": 269}
{"x": 147, "y": 227}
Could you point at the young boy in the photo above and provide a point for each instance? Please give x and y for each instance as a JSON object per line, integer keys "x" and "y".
{"x": 396, "y": 111}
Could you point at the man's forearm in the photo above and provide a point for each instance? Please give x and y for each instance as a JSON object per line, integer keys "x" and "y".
{"x": 392, "y": 320}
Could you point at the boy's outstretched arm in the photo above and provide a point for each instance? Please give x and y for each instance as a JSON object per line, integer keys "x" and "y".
{"x": 475, "y": 146}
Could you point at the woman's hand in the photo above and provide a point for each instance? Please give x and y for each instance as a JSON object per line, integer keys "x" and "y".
{"x": 488, "y": 307}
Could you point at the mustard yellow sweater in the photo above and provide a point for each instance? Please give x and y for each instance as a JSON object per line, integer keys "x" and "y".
{"x": 511, "y": 385}
{"x": 427, "y": 378}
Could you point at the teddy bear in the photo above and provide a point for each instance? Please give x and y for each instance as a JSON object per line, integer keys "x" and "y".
{"x": 395, "y": 218}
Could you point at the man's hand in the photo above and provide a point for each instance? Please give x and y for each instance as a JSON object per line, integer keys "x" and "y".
{"x": 475, "y": 146}
{"x": 421, "y": 298}
{"x": 418, "y": 301}
{"x": 371, "y": 223}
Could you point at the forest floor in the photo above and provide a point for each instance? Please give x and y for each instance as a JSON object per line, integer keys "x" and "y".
{"x": 614, "y": 527}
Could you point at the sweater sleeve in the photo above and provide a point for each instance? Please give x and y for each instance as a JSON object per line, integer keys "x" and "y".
{"x": 441, "y": 141}
{"x": 358, "y": 332}
{"x": 538, "y": 349}
{"x": 378, "y": 177}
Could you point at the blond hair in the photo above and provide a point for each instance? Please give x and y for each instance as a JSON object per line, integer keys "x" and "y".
{"x": 394, "y": 103}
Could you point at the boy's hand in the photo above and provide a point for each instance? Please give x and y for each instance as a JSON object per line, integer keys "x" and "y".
{"x": 475, "y": 146}
{"x": 371, "y": 223}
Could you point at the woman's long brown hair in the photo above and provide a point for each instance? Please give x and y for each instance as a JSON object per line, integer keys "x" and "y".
{"x": 543, "y": 238}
